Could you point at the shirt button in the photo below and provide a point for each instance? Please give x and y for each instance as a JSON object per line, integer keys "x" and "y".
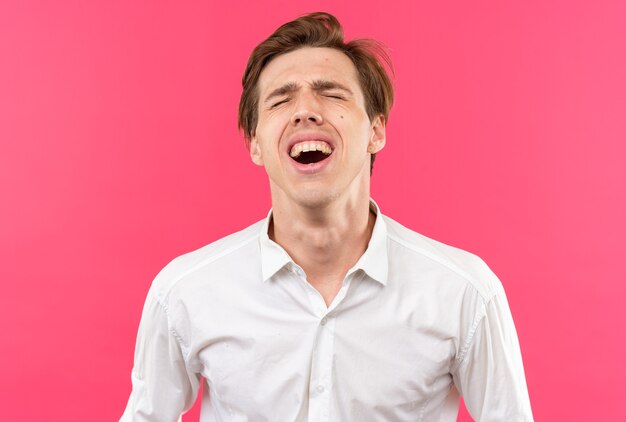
{"x": 323, "y": 322}
{"x": 320, "y": 389}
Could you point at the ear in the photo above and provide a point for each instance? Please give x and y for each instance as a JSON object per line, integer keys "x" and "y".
{"x": 255, "y": 152}
{"x": 378, "y": 136}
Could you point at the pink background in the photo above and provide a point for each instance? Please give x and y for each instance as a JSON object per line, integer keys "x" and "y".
{"x": 119, "y": 151}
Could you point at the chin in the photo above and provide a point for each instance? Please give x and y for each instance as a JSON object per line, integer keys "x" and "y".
{"x": 314, "y": 198}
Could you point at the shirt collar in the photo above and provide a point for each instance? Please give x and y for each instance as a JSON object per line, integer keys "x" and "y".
{"x": 273, "y": 256}
{"x": 374, "y": 262}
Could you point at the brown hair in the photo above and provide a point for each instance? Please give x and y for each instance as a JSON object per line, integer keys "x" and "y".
{"x": 318, "y": 30}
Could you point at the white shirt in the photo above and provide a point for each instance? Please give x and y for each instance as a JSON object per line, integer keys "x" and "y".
{"x": 415, "y": 323}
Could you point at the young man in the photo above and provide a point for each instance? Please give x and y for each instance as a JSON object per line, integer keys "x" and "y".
{"x": 326, "y": 310}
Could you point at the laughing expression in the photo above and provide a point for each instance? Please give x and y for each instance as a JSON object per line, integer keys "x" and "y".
{"x": 314, "y": 136}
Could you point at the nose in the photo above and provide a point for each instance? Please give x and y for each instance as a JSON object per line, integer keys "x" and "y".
{"x": 306, "y": 113}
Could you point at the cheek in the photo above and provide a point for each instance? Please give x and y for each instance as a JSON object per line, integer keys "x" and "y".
{"x": 358, "y": 128}
{"x": 273, "y": 123}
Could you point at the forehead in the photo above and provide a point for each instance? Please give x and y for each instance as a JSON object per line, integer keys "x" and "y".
{"x": 308, "y": 64}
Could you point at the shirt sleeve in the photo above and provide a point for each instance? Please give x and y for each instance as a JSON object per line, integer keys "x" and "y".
{"x": 163, "y": 386}
{"x": 490, "y": 376}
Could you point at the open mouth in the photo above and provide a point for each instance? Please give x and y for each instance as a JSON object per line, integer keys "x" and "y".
{"x": 310, "y": 152}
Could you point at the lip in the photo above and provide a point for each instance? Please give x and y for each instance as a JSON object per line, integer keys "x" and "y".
{"x": 309, "y": 137}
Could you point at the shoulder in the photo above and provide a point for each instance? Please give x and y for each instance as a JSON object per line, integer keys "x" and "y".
{"x": 232, "y": 248}
{"x": 463, "y": 266}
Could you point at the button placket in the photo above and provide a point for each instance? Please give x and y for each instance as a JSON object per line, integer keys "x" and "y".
{"x": 320, "y": 386}
{"x": 320, "y": 382}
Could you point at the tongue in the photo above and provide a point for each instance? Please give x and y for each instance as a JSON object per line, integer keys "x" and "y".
{"x": 311, "y": 157}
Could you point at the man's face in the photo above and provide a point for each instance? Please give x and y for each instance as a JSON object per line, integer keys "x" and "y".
{"x": 313, "y": 134}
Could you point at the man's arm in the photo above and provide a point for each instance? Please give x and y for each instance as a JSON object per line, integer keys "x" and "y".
{"x": 490, "y": 376}
{"x": 164, "y": 387}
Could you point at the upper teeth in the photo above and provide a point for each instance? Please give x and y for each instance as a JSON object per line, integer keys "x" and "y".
{"x": 301, "y": 147}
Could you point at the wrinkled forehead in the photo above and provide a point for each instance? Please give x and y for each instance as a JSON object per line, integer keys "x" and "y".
{"x": 307, "y": 65}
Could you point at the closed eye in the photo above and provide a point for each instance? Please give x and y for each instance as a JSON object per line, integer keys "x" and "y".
{"x": 276, "y": 104}
{"x": 335, "y": 97}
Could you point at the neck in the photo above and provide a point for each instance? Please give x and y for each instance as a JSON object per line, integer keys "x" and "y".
{"x": 325, "y": 241}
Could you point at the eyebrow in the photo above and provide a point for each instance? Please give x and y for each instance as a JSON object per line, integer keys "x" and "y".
{"x": 317, "y": 85}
